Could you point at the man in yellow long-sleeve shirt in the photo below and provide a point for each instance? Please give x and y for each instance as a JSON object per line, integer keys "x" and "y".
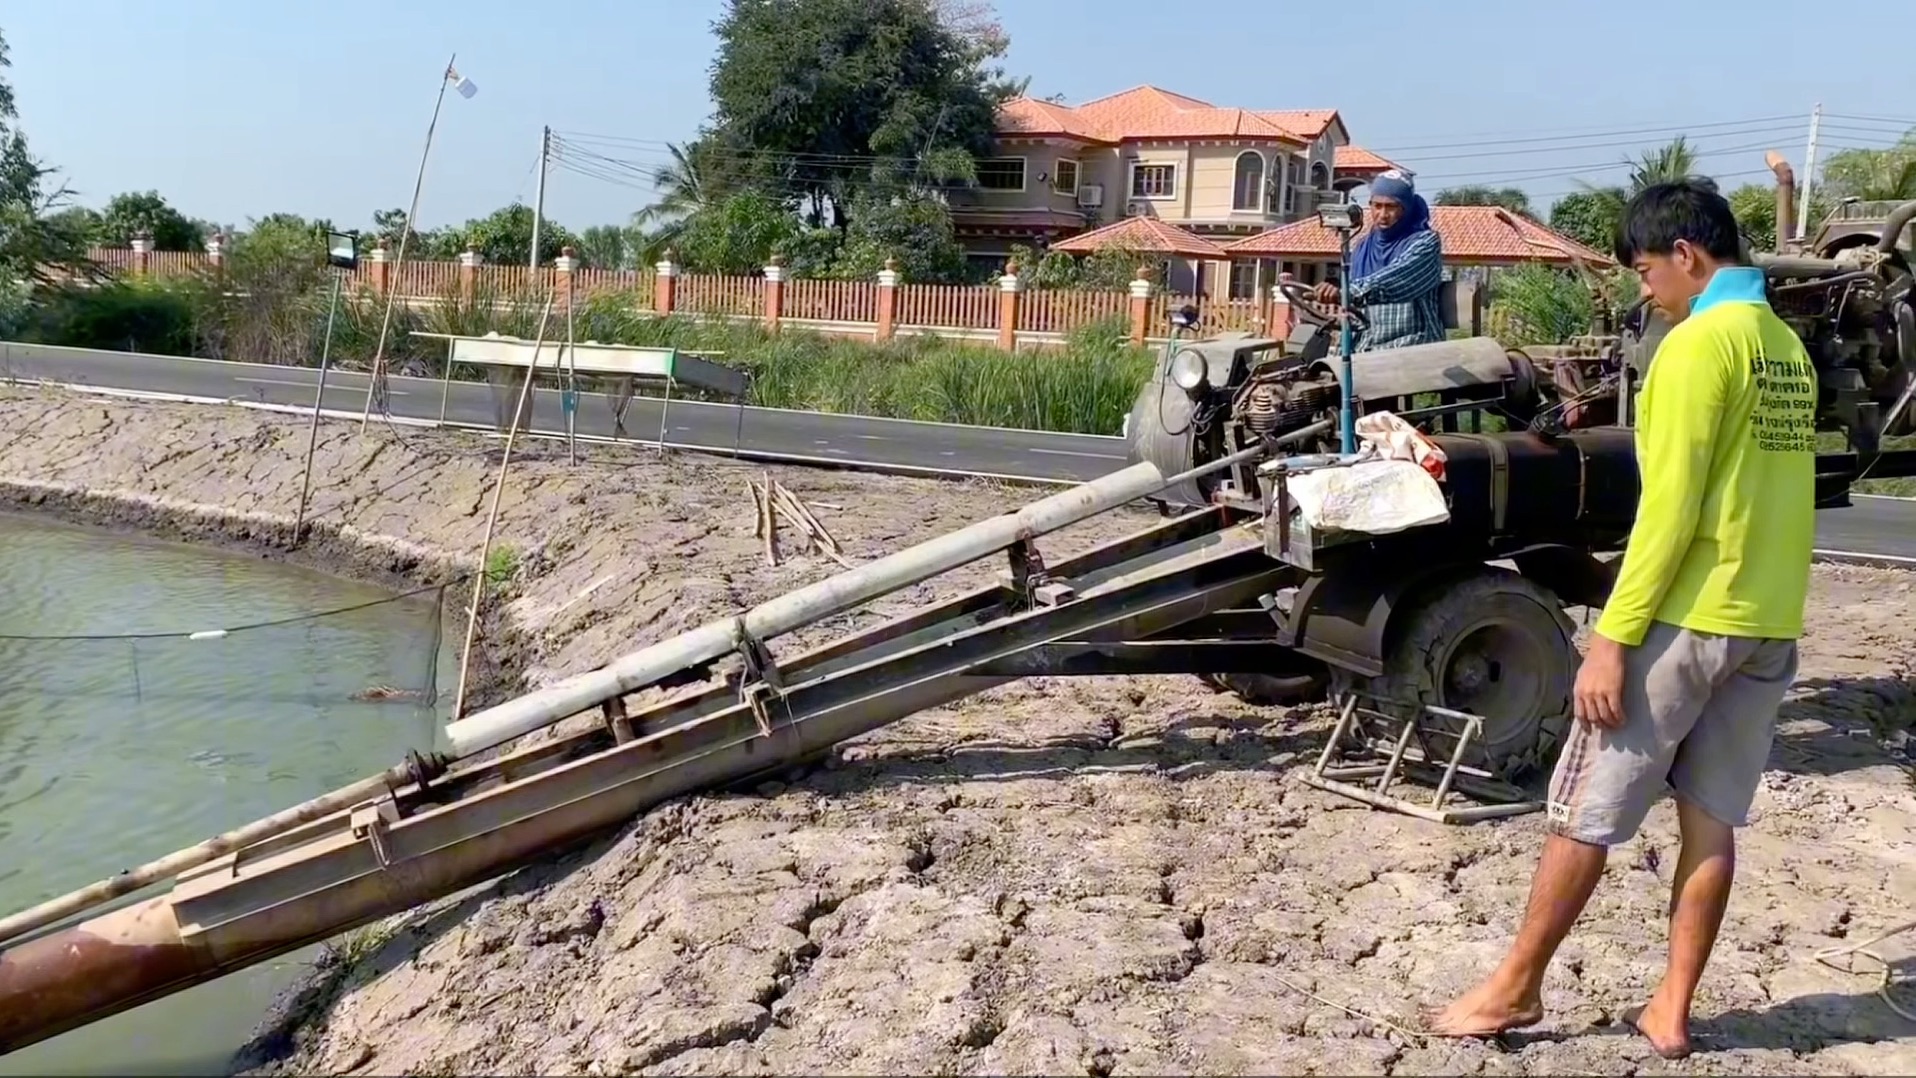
{"x": 1697, "y": 645}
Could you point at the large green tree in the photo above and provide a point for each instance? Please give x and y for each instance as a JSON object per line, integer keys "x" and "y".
{"x": 135, "y": 212}
{"x": 1874, "y": 175}
{"x": 824, "y": 100}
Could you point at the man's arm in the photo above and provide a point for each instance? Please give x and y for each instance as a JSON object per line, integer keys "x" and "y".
{"x": 1689, "y": 388}
{"x": 1418, "y": 270}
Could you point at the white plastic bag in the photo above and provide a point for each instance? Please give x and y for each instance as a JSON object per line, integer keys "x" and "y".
{"x": 1373, "y": 497}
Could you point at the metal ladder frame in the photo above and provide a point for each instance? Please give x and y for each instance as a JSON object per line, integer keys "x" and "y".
{"x": 1410, "y": 755}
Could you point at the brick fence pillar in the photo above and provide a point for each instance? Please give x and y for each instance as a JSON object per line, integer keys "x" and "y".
{"x": 1010, "y": 295}
{"x": 774, "y": 292}
{"x": 142, "y": 253}
{"x": 665, "y": 287}
{"x": 381, "y": 261}
{"x": 566, "y": 283}
{"x": 469, "y": 262}
{"x": 887, "y": 300}
{"x": 1278, "y": 320}
{"x": 1140, "y": 304}
{"x": 216, "y": 251}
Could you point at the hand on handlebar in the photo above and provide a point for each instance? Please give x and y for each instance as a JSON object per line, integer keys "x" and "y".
{"x": 1325, "y": 293}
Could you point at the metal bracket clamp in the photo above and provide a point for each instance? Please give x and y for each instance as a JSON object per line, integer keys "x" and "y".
{"x": 370, "y": 823}
{"x": 1028, "y": 579}
{"x": 760, "y": 682}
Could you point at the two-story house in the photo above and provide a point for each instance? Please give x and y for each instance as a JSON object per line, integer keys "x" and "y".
{"x": 1221, "y": 173}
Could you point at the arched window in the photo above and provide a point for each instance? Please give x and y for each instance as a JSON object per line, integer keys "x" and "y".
{"x": 1249, "y": 190}
{"x": 1320, "y": 176}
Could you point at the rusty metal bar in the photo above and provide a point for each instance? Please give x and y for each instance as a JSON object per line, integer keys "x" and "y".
{"x": 815, "y": 602}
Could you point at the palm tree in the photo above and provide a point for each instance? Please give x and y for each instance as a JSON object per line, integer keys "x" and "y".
{"x": 683, "y": 191}
{"x": 1674, "y": 160}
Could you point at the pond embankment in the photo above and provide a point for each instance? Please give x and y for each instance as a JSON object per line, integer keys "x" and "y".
{"x": 1097, "y": 876}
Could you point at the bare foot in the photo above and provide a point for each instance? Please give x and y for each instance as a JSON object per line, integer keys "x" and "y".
{"x": 1485, "y": 1011}
{"x": 1666, "y": 1028}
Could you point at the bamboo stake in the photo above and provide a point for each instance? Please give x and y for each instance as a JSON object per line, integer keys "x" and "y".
{"x": 492, "y": 517}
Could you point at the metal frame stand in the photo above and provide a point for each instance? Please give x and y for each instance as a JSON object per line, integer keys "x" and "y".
{"x": 1364, "y": 747}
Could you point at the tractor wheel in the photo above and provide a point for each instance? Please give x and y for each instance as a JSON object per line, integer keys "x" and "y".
{"x": 1493, "y": 644}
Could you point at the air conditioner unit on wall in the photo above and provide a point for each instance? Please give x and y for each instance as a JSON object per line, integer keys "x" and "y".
{"x": 1136, "y": 209}
{"x": 1091, "y": 195}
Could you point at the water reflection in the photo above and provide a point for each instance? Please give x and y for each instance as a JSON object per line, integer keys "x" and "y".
{"x": 137, "y": 740}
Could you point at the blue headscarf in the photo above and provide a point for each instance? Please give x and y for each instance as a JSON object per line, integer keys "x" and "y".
{"x": 1380, "y": 245}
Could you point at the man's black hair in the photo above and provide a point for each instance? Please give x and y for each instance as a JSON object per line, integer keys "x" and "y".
{"x": 1664, "y": 213}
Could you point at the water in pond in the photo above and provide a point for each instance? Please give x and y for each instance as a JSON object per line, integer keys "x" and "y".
{"x": 138, "y": 741}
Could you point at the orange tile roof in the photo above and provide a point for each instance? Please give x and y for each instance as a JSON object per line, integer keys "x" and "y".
{"x": 1358, "y": 159}
{"x": 1146, "y": 112}
{"x": 1470, "y": 234}
{"x": 1306, "y": 124}
{"x": 1145, "y": 235}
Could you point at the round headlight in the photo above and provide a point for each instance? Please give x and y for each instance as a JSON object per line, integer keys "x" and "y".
{"x": 1187, "y": 371}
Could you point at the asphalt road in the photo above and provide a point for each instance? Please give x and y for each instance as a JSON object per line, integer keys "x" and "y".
{"x": 1883, "y": 527}
{"x": 691, "y": 424}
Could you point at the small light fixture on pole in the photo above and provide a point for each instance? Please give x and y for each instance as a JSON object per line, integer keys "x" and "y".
{"x": 342, "y": 254}
{"x": 376, "y": 386}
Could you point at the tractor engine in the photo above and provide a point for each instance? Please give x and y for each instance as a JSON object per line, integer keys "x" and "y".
{"x": 1212, "y": 398}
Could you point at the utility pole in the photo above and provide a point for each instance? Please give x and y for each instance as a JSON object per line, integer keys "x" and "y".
{"x": 1809, "y": 172}
{"x": 539, "y": 200}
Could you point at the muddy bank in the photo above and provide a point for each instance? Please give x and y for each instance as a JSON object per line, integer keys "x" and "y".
{"x": 1099, "y": 876}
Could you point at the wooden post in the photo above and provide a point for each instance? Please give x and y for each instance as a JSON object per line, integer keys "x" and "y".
{"x": 887, "y": 300}
{"x": 1140, "y": 304}
{"x": 469, "y": 262}
{"x": 774, "y": 292}
{"x": 1010, "y": 293}
{"x": 665, "y": 287}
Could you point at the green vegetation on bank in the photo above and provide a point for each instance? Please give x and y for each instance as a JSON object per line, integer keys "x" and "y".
{"x": 1085, "y": 386}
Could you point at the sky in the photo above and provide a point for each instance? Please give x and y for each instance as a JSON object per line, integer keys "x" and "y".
{"x": 233, "y": 109}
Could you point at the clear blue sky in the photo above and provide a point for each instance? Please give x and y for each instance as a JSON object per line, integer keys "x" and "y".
{"x": 236, "y": 108}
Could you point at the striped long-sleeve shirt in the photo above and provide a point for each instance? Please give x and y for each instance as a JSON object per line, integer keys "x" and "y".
{"x": 1400, "y": 300}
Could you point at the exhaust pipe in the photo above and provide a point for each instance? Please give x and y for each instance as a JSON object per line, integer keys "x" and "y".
{"x": 1785, "y": 202}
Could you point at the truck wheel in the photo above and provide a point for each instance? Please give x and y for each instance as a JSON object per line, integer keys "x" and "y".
{"x": 1493, "y": 644}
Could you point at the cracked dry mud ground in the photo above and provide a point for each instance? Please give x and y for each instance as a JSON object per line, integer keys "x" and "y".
{"x": 1098, "y": 876}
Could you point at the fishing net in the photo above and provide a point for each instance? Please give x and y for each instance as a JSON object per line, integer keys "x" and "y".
{"x": 381, "y": 654}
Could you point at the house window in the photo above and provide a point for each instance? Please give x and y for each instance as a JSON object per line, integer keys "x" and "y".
{"x": 1002, "y": 174}
{"x": 1154, "y": 181}
{"x": 1320, "y": 176}
{"x": 1294, "y": 171}
{"x": 1064, "y": 178}
{"x": 1249, "y": 187}
{"x": 1243, "y": 280}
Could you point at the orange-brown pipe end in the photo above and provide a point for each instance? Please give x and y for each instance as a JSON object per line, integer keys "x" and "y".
{"x": 92, "y": 970}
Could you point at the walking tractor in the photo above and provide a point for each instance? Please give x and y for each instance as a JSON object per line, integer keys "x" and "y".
{"x": 1422, "y": 583}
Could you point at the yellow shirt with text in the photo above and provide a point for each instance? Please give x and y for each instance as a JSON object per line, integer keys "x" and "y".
{"x": 1726, "y": 451}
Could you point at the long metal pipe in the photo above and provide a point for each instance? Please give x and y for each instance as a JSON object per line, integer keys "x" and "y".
{"x": 497, "y": 725}
{"x": 794, "y": 610}
{"x": 416, "y": 769}
{"x": 232, "y": 916}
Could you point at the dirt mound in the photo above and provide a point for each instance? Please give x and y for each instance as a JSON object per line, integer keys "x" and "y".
{"x": 1099, "y": 876}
